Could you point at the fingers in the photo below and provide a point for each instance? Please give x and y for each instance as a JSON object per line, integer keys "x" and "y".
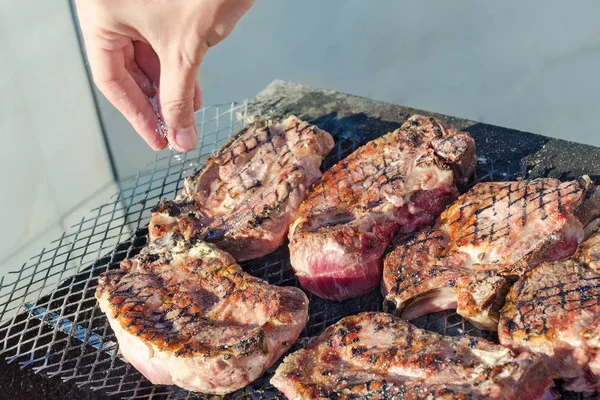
{"x": 120, "y": 88}
{"x": 138, "y": 75}
{"x": 197, "y": 96}
{"x": 176, "y": 98}
{"x": 148, "y": 61}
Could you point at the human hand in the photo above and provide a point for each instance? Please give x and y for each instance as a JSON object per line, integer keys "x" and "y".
{"x": 149, "y": 51}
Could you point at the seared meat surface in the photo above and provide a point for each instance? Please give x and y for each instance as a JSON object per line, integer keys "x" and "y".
{"x": 247, "y": 194}
{"x": 485, "y": 240}
{"x": 398, "y": 182}
{"x": 554, "y": 310}
{"x": 589, "y": 251}
{"x": 186, "y": 314}
{"x": 379, "y": 356}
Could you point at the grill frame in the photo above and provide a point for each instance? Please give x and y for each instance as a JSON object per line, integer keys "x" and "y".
{"x": 49, "y": 319}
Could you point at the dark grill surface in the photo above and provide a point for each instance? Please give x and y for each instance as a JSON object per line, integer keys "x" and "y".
{"x": 49, "y": 320}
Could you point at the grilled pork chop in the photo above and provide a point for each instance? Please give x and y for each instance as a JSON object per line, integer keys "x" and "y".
{"x": 486, "y": 239}
{"x": 379, "y": 356}
{"x": 400, "y": 181}
{"x": 246, "y": 195}
{"x": 554, "y": 310}
{"x": 186, "y": 314}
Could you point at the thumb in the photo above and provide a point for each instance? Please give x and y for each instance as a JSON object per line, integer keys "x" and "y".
{"x": 176, "y": 98}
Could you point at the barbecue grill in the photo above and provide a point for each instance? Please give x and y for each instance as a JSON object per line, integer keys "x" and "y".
{"x": 49, "y": 318}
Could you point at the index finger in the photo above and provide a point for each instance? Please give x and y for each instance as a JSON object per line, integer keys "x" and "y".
{"x": 119, "y": 87}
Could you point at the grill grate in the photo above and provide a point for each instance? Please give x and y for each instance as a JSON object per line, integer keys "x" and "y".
{"x": 49, "y": 319}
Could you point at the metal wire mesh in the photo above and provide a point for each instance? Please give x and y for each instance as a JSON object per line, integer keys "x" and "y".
{"x": 49, "y": 318}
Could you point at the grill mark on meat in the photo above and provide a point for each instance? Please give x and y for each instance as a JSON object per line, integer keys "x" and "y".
{"x": 222, "y": 224}
{"x": 376, "y": 355}
{"x": 560, "y": 204}
{"x": 235, "y": 153}
{"x": 176, "y": 322}
{"x": 554, "y": 310}
{"x": 577, "y": 298}
{"x": 576, "y": 303}
{"x": 525, "y": 202}
{"x": 559, "y": 193}
{"x": 245, "y": 196}
{"x": 397, "y": 182}
{"x": 418, "y": 244}
{"x": 488, "y": 237}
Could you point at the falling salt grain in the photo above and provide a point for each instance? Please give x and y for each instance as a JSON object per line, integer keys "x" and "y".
{"x": 176, "y": 155}
{"x": 161, "y": 128}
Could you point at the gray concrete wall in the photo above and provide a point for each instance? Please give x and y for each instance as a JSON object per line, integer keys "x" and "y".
{"x": 53, "y": 161}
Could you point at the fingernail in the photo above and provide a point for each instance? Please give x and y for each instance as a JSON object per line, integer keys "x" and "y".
{"x": 186, "y": 139}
